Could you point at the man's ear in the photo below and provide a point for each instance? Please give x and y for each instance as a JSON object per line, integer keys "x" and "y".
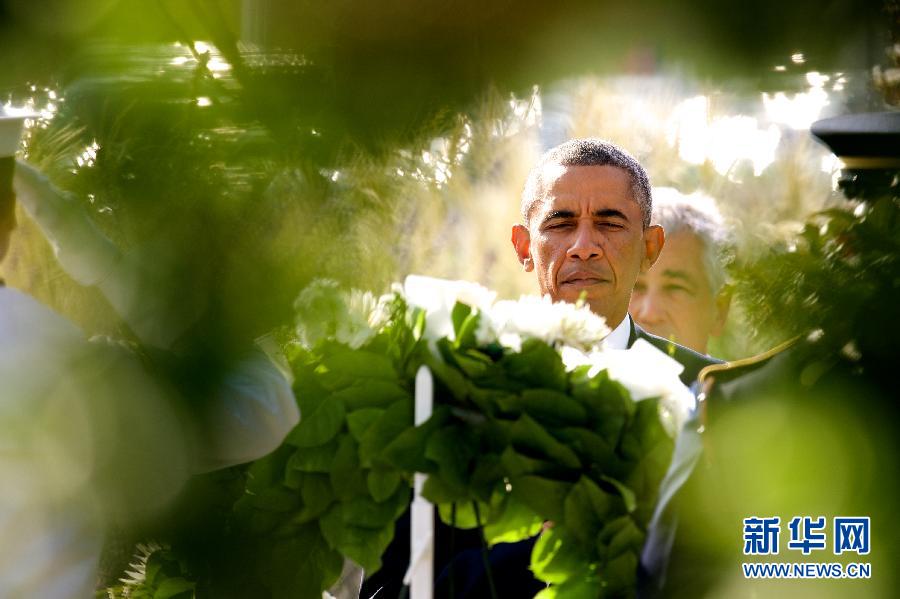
{"x": 723, "y": 305}
{"x": 654, "y": 240}
{"x": 521, "y": 240}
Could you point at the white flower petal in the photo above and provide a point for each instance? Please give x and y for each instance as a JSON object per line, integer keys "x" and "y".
{"x": 438, "y": 298}
{"x": 557, "y": 324}
{"x": 647, "y": 372}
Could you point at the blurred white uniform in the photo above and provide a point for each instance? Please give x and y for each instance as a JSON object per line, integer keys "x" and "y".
{"x": 86, "y": 432}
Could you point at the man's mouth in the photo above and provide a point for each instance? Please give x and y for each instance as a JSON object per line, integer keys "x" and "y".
{"x": 585, "y": 279}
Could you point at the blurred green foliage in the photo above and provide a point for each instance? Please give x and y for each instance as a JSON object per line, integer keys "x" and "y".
{"x": 838, "y": 282}
{"x": 240, "y": 171}
{"x": 812, "y": 429}
{"x": 514, "y": 441}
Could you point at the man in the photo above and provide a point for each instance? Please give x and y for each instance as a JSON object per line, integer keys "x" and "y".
{"x": 682, "y": 297}
{"x": 586, "y": 233}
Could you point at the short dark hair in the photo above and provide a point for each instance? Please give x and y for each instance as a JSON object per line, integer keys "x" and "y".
{"x": 591, "y": 151}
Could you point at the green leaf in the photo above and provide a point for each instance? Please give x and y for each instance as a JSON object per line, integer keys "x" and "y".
{"x": 608, "y": 403}
{"x": 556, "y": 559}
{"x": 267, "y": 471}
{"x": 320, "y": 426}
{"x": 537, "y": 366}
{"x": 465, "y": 517}
{"x": 452, "y": 449}
{"x": 275, "y": 499}
{"x": 359, "y": 421}
{"x": 316, "y": 494}
{"x": 297, "y": 567}
{"x": 619, "y": 575}
{"x": 154, "y": 567}
{"x": 578, "y": 587}
{"x": 465, "y": 336}
{"x": 419, "y": 323}
{"x": 396, "y": 419}
{"x": 171, "y": 587}
{"x": 643, "y": 431}
{"x": 449, "y": 378}
{"x": 543, "y": 496}
{"x": 332, "y": 525}
{"x": 473, "y": 363}
{"x": 489, "y": 473}
{"x": 489, "y": 401}
{"x": 407, "y": 451}
{"x": 364, "y": 546}
{"x": 627, "y": 494}
{"x": 261, "y": 522}
{"x": 625, "y": 537}
{"x": 293, "y": 478}
{"x": 593, "y": 450}
{"x": 531, "y": 438}
{"x": 513, "y": 522}
{"x": 364, "y": 512}
{"x": 307, "y": 388}
{"x": 437, "y": 491}
{"x": 345, "y": 368}
{"x": 547, "y": 406}
{"x": 646, "y": 477}
{"x": 383, "y": 483}
{"x": 586, "y": 508}
{"x": 371, "y": 393}
{"x": 517, "y": 464}
{"x": 313, "y": 459}
{"x": 347, "y": 478}
{"x": 458, "y": 316}
{"x": 648, "y": 447}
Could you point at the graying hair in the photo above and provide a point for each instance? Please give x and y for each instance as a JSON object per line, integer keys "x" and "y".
{"x": 695, "y": 213}
{"x": 589, "y": 152}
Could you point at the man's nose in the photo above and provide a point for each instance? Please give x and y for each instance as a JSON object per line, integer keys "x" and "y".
{"x": 647, "y": 309}
{"x": 585, "y": 244}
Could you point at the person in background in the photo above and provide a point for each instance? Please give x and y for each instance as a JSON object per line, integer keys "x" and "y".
{"x": 684, "y": 296}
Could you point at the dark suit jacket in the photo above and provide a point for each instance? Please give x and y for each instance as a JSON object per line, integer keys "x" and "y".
{"x": 692, "y": 361}
{"x": 459, "y": 564}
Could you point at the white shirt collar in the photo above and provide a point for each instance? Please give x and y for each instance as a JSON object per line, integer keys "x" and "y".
{"x": 618, "y": 338}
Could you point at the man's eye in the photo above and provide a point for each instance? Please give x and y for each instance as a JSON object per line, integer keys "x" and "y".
{"x": 678, "y": 289}
{"x": 556, "y": 226}
{"x": 610, "y": 226}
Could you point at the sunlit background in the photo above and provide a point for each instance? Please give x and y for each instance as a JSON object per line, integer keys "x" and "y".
{"x": 442, "y": 204}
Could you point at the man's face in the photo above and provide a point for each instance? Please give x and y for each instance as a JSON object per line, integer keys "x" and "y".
{"x": 675, "y": 300}
{"x": 586, "y": 236}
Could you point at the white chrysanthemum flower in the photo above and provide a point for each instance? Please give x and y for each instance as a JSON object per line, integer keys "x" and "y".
{"x": 324, "y": 310}
{"x": 438, "y": 297}
{"x": 573, "y": 357}
{"x": 531, "y": 317}
{"x": 646, "y": 372}
{"x": 362, "y": 319}
{"x": 380, "y": 316}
